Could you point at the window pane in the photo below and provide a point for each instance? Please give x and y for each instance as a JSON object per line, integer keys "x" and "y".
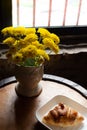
{"x": 31, "y": 13}
{"x": 83, "y": 14}
{"x": 57, "y": 12}
{"x": 42, "y": 9}
{"x": 72, "y": 12}
{"x": 26, "y": 12}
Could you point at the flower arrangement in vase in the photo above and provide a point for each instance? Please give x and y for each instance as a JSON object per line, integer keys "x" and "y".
{"x": 28, "y": 49}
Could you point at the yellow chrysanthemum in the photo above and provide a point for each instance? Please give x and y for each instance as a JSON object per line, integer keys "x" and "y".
{"x": 30, "y": 30}
{"x": 49, "y": 43}
{"x": 32, "y": 50}
{"x": 31, "y": 38}
{"x": 43, "y": 32}
{"x": 21, "y": 44}
{"x": 17, "y": 58}
{"x": 55, "y": 38}
{"x": 9, "y": 41}
{"x": 29, "y": 43}
{"x": 29, "y": 51}
{"x": 19, "y": 31}
{"x": 7, "y": 31}
{"x": 38, "y": 45}
{"x": 43, "y": 54}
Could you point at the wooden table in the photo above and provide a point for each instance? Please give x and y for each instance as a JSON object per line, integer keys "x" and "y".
{"x": 18, "y": 113}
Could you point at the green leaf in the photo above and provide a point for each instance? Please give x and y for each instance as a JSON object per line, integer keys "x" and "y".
{"x": 29, "y": 62}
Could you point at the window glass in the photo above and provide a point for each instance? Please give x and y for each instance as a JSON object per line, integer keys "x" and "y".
{"x": 49, "y": 12}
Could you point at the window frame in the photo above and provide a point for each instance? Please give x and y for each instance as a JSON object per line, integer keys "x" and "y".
{"x": 68, "y": 34}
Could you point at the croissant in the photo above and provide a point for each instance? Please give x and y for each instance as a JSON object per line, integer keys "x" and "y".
{"x": 62, "y": 115}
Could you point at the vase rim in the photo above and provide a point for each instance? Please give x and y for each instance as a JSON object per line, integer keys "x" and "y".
{"x": 29, "y": 66}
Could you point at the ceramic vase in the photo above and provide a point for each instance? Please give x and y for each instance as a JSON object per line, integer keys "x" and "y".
{"x": 28, "y": 80}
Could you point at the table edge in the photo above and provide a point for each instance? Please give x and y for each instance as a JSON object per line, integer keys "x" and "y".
{"x": 54, "y": 78}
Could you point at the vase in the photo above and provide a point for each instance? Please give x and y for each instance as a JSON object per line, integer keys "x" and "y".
{"x": 28, "y": 80}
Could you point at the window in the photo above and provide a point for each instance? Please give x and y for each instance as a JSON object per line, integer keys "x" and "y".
{"x": 49, "y": 12}
{"x": 60, "y": 18}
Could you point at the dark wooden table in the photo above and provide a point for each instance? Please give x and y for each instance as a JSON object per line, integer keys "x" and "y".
{"x": 18, "y": 113}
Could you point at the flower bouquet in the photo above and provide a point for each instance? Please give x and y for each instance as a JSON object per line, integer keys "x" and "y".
{"x": 28, "y": 46}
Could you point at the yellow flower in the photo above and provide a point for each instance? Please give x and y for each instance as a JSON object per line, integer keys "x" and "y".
{"x": 55, "y": 38}
{"x": 19, "y": 31}
{"x": 7, "y": 31}
{"x": 29, "y": 51}
{"x": 38, "y": 45}
{"x": 17, "y": 58}
{"x": 31, "y": 37}
{"x": 49, "y": 43}
{"x": 43, "y": 32}
{"x": 21, "y": 44}
{"x": 43, "y": 54}
{"x": 30, "y": 30}
{"x": 9, "y": 41}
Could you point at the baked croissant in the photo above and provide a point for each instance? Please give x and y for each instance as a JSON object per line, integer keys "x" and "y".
{"x": 63, "y": 115}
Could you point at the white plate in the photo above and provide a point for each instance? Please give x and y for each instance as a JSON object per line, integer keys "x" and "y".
{"x": 44, "y": 109}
